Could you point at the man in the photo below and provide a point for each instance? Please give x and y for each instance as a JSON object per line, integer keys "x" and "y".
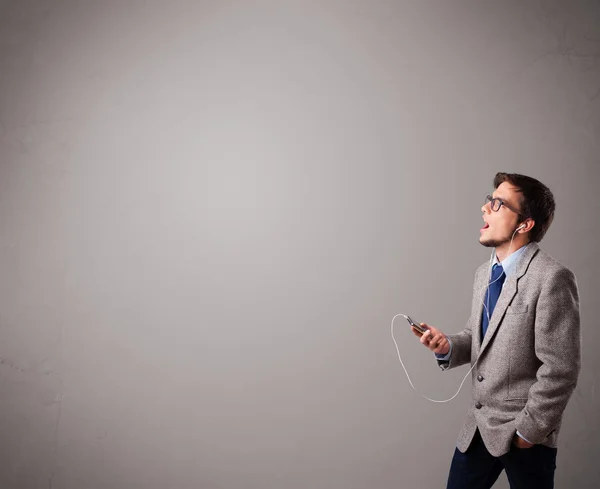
{"x": 523, "y": 338}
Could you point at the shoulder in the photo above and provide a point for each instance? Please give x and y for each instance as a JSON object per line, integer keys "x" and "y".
{"x": 550, "y": 273}
{"x": 481, "y": 275}
{"x": 545, "y": 264}
{"x": 482, "y": 268}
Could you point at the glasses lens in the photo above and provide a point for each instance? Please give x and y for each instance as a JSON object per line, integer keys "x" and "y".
{"x": 495, "y": 202}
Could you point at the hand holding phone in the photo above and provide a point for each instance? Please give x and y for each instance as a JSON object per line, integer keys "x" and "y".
{"x": 436, "y": 341}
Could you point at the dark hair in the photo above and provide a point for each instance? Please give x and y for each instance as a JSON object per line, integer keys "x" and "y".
{"x": 537, "y": 202}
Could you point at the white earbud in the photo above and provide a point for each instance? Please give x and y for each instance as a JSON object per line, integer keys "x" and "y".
{"x": 521, "y": 226}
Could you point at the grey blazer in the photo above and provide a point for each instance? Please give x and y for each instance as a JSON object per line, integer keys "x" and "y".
{"x": 529, "y": 361}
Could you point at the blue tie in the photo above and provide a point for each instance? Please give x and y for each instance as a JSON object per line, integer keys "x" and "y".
{"x": 491, "y": 295}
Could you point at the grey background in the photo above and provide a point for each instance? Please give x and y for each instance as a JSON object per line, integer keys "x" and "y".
{"x": 210, "y": 212}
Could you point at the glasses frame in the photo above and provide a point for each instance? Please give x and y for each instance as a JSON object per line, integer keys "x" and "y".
{"x": 492, "y": 200}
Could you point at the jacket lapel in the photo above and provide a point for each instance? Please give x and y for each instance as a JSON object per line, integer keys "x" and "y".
{"x": 506, "y": 296}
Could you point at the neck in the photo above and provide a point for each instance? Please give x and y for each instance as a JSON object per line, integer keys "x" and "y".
{"x": 502, "y": 251}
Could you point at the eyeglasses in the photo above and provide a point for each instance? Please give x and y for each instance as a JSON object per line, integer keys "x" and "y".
{"x": 497, "y": 203}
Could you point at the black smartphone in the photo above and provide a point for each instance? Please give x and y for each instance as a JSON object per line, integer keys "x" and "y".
{"x": 418, "y": 327}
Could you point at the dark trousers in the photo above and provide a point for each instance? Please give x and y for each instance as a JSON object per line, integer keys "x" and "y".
{"x": 526, "y": 468}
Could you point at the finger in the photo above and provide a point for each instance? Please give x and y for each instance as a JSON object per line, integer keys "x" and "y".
{"x": 441, "y": 345}
{"x": 426, "y": 337}
{"x": 435, "y": 341}
{"x": 431, "y": 330}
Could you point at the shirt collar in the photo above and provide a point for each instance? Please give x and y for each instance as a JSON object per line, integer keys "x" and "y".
{"x": 510, "y": 262}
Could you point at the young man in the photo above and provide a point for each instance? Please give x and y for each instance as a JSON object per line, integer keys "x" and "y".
{"x": 523, "y": 338}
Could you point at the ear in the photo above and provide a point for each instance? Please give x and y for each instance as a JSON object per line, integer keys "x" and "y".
{"x": 527, "y": 225}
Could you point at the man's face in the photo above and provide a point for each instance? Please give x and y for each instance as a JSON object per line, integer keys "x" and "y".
{"x": 499, "y": 226}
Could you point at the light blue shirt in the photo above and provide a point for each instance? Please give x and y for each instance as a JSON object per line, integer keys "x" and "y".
{"x": 508, "y": 265}
{"x": 510, "y": 262}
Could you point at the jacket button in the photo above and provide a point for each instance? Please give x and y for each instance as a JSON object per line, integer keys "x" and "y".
{"x": 480, "y": 378}
{"x": 478, "y": 405}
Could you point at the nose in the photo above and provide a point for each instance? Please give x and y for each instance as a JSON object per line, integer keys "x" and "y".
{"x": 486, "y": 208}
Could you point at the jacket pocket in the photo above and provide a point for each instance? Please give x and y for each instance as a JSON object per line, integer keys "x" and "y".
{"x": 517, "y": 309}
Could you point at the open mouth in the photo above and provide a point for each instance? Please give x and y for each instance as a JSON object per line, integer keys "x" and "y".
{"x": 485, "y": 226}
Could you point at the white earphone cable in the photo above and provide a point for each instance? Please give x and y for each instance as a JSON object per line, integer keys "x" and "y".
{"x": 474, "y": 363}
{"x": 408, "y": 376}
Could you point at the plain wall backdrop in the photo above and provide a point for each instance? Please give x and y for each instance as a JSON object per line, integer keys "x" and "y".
{"x": 210, "y": 211}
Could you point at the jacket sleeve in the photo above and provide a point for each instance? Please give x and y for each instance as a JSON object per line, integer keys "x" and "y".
{"x": 461, "y": 349}
{"x": 558, "y": 347}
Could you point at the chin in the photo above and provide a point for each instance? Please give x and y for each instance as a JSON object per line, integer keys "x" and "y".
{"x": 488, "y": 243}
